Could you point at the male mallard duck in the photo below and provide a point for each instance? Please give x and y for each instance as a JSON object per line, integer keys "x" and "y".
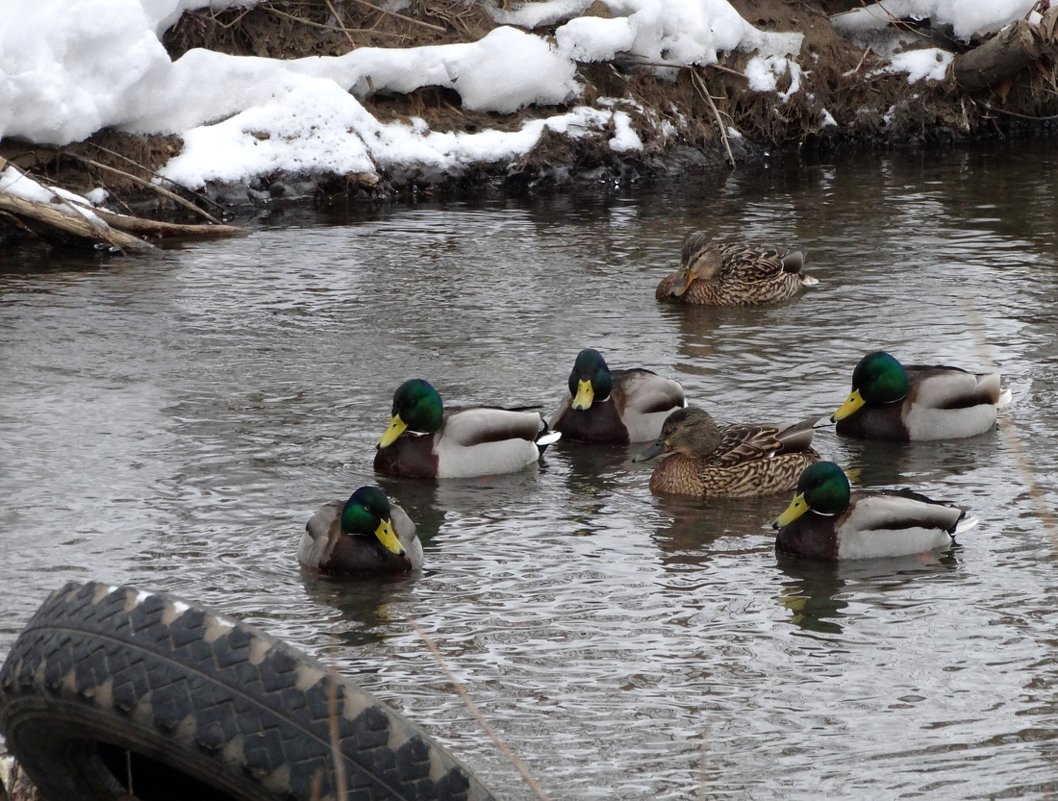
{"x": 915, "y": 402}
{"x": 614, "y": 406}
{"x": 711, "y": 274}
{"x": 424, "y": 441}
{"x": 364, "y": 535}
{"x": 734, "y": 461}
{"x": 827, "y": 521}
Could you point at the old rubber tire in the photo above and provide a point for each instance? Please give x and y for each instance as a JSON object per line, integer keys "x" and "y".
{"x": 110, "y": 682}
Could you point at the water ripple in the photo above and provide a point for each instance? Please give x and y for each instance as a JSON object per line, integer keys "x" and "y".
{"x": 172, "y": 420}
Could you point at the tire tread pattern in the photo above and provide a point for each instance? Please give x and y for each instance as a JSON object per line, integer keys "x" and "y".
{"x": 224, "y": 694}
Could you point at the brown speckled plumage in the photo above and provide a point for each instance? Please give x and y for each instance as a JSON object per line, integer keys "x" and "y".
{"x": 713, "y": 274}
{"x": 732, "y": 461}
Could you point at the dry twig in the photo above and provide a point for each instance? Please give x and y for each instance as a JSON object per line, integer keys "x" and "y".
{"x": 341, "y": 25}
{"x": 860, "y": 64}
{"x": 161, "y": 190}
{"x": 326, "y": 27}
{"x": 412, "y": 20}
{"x": 146, "y": 169}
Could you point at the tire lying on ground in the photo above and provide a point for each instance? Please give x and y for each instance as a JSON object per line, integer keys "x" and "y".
{"x": 112, "y": 692}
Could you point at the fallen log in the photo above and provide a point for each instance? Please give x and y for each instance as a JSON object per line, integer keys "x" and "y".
{"x": 160, "y": 230}
{"x": 54, "y": 214}
{"x": 44, "y": 217}
{"x": 1012, "y": 50}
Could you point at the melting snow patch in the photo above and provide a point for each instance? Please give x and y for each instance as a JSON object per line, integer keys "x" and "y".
{"x": 930, "y": 64}
{"x": 594, "y": 38}
{"x": 625, "y": 138}
{"x": 763, "y": 73}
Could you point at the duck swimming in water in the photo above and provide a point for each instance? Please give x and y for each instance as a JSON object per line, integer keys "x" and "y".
{"x": 827, "y": 521}
{"x": 912, "y": 403}
{"x": 614, "y": 406}
{"x": 425, "y": 441}
{"x": 731, "y": 461}
{"x": 713, "y": 274}
{"x": 365, "y": 535}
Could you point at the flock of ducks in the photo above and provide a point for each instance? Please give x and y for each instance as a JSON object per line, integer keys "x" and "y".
{"x": 826, "y": 520}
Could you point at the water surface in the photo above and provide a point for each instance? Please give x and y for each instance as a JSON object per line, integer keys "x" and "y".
{"x": 171, "y": 420}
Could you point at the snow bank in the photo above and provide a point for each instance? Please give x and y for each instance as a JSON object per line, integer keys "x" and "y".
{"x": 68, "y": 69}
{"x": 669, "y": 32}
{"x": 965, "y": 16}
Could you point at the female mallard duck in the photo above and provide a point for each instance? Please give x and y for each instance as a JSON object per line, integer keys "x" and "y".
{"x": 915, "y": 402}
{"x": 711, "y": 274}
{"x": 424, "y": 441}
{"x": 734, "y": 461}
{"x": 365, "y": 535}
{"x": 825, "y": 520}
{"x": 614, "y": 406}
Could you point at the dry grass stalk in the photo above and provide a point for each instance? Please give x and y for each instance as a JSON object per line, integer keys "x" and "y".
{"x": 703, "y": 765}
{"x": 341, "y": 787}
{"x": 341, "y": 25}
{"x": 703, "y": 90}
{"x": 461, "y": 691}
{"x": 14, "y": 784}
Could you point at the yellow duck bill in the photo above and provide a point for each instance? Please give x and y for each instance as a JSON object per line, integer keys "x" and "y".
{"x": 853, "y": 403}
{"x": 388, "y": 537}
{"x": 798, "y": 506}
{"x": 395, "y": 428}
{"x": 585, "y": 396}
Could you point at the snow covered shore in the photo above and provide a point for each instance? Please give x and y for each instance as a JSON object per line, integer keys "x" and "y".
{"x": 619, "y": 79}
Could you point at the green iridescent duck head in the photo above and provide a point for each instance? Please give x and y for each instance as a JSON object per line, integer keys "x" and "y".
{"x": 822, "y": 488}
{"x": 590, "y": 379}
{"x": 367, "y": 512}
{"x": 878, "y": 379}
{"x": 416, "y": 407}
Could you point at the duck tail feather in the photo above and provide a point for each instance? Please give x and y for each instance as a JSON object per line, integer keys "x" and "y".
{"x": 966, "y": 522}
{"x": 793, "y": 262}
{"x": 797, "y": 436}
{"x": 546, "y": 436}
{"x": 547, "y": 439}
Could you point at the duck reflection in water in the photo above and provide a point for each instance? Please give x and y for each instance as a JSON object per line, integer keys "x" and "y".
{"x": 819, "y": 595}
{"x": 365, "y": 607}
{"x": 692, "y": 532}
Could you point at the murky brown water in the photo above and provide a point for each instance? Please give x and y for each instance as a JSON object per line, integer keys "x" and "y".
{"x": 172, "y": 420}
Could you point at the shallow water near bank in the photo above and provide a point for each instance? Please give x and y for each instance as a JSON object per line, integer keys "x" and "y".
{"x": 172, "y": 420}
